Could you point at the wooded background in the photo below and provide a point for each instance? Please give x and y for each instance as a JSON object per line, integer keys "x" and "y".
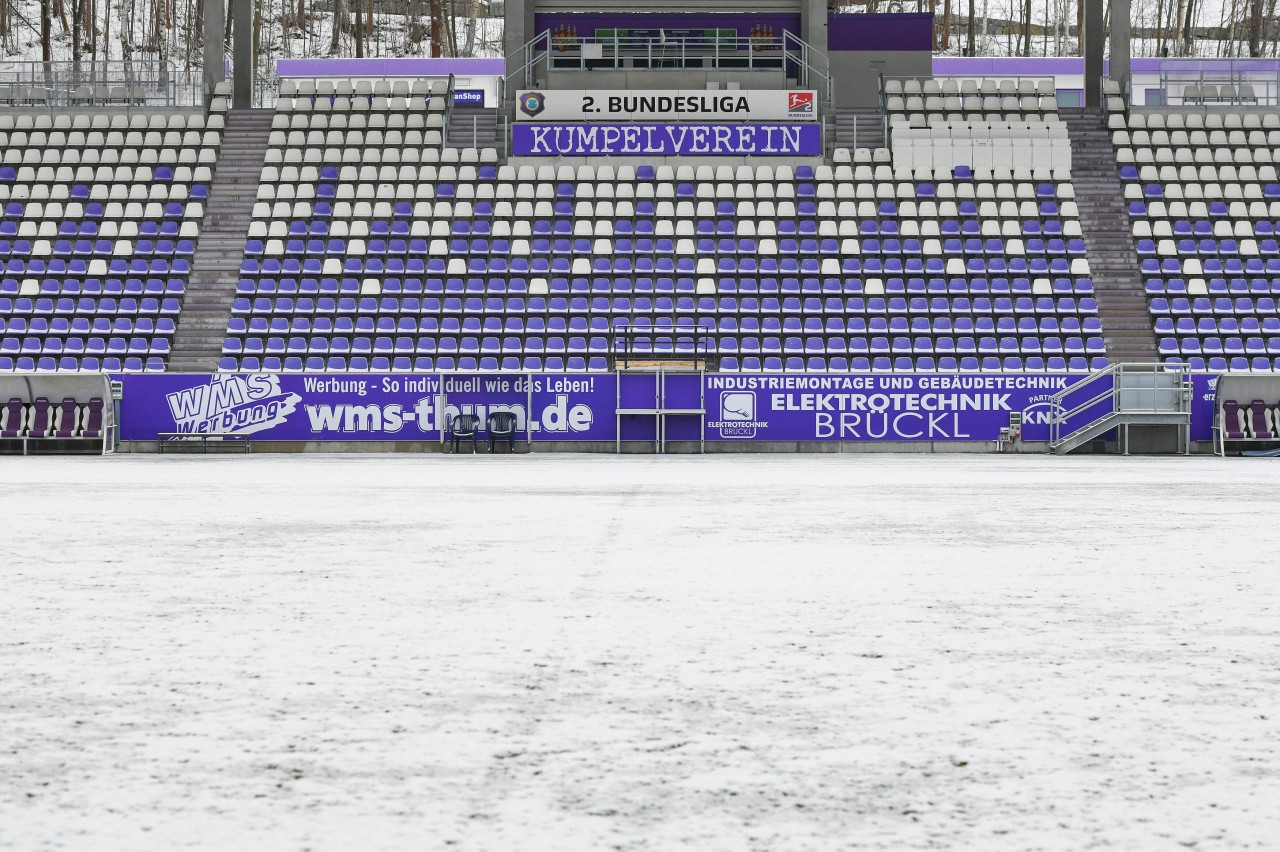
{"x": 44, "y": 30}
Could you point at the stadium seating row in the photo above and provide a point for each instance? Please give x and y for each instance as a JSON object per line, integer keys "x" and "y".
{"x": 43, "y": 419}
{"x": 95, "y": 251}
{"x": 577, "y": 364}
{"x": 1192, "y": 120}
{"x": 1200, "y": 191}
{"x": 1253, "y": 421}
{"x": 983, "y": 86}
{"x": 107, "y": 121}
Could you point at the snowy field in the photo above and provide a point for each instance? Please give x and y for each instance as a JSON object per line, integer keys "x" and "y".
{"x": 587, "y": 652}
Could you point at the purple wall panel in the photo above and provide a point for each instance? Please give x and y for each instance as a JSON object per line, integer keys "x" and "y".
{"x": 588, "y": 22}
{"x": 414, "y": 67}
{"x": 739, "y": 407}
{"x": 666, "y": 140}
{"x": 1045, "y": 66}
{"x": 911, "y": 31}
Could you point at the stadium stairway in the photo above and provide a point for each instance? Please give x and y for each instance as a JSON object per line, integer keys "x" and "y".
{"x": 207, "y": 307}
{"x": 858, "y": 127}
{"x": 1122, "y": 304}
{"x": 473, "y": 128}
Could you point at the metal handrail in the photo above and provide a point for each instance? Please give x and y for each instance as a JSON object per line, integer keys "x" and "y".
{"x": 1058, "y": 416}
{"x": 530, "y": 59}
{"x": 63, "y": 83}
{"x": 763, "y": 51}
{"x": 704, "y": 337}
{"x": 1176, "y": 75}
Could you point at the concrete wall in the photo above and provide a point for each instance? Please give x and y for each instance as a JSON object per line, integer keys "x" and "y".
{"x": 628, "y": 447}
{"x": 1158, "y": 443}
{"x": 857, "y": 73}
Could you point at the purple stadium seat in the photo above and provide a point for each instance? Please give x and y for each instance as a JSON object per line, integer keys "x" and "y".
{"x": 1259, "y": 420}
{"x": 13, "y": 419}
{"x": 40, "y": 423}
{"x": 66, "y": 419}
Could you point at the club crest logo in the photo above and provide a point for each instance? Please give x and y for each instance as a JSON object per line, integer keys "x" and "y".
{"x": 533, "y": 103}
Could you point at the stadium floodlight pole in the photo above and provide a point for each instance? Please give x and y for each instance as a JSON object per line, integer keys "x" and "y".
{"x": 242, "y": 54}
{"x": 1121, "y": 52}
{"x": 215, "y": 53}
{"x": 1093, "y": 45}
{"x": 813, "y": 24}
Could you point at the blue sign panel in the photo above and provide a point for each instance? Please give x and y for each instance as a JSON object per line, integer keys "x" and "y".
{"x": 740, "y": 407}
{"x": 369, "y": 407}
{"x": 468, "y": 97}
{"x": 665, "y": 140}
{"x": 878, "y": 407}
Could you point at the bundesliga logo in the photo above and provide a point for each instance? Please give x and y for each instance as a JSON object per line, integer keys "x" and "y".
{"x": 800, "y": 103}
{"x": 532, "y": 104}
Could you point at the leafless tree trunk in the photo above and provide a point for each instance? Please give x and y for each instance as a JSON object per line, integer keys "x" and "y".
{"x": 437, "y": 27}
{"x": 359, "y": 30}
{"x": 1188, "y": 29}
{"x": 1026, "y": 28}
{"x": 1255, "y": 28}
{"x": 77, "y": 17}
{"x": 969, "y": 46}
{"x": 46, "y": 47}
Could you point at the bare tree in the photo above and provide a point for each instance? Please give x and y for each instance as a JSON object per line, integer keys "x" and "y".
{"x": 1026, "y": 28}
{"x": 46, "y": 25}
{"x": 969, "y": 46}
{"x": 1255, "y": 28}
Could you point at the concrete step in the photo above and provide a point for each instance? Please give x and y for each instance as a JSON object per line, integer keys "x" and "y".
{"x": 1122, "y": 306}
{"x": 211, "y": 289}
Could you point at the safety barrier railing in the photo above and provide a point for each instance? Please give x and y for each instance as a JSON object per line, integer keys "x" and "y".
{"x": 1120, "y": 389}
{"x": 114, "y": 83}
{"x": 714, "y": 49}
{"x": 1220, "y": 83}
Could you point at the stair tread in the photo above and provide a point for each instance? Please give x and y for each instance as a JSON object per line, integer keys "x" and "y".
{"x": 197, "y": 343}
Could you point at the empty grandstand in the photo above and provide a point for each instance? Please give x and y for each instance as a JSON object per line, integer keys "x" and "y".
{"x": 769, "y": 191}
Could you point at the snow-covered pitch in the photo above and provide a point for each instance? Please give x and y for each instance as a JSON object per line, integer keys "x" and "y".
{"x": 590, "y": 652}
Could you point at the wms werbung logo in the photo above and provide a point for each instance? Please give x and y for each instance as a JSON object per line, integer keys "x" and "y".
{"x": 738, "y": 415}
{"x": 231, "y": 404}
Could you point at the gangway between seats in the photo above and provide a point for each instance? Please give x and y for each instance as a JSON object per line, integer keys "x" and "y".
{"x": 1118, "y": 398}
{"x": 670, "y": 399}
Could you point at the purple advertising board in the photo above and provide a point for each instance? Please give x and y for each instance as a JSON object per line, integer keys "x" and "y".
{"x": 685, "y": 139}
{"x": 363, "y": 407}
{"x": 739, "y": 407}
{"x": 878, "y": 407}
{"x": 1203, "y": 406}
